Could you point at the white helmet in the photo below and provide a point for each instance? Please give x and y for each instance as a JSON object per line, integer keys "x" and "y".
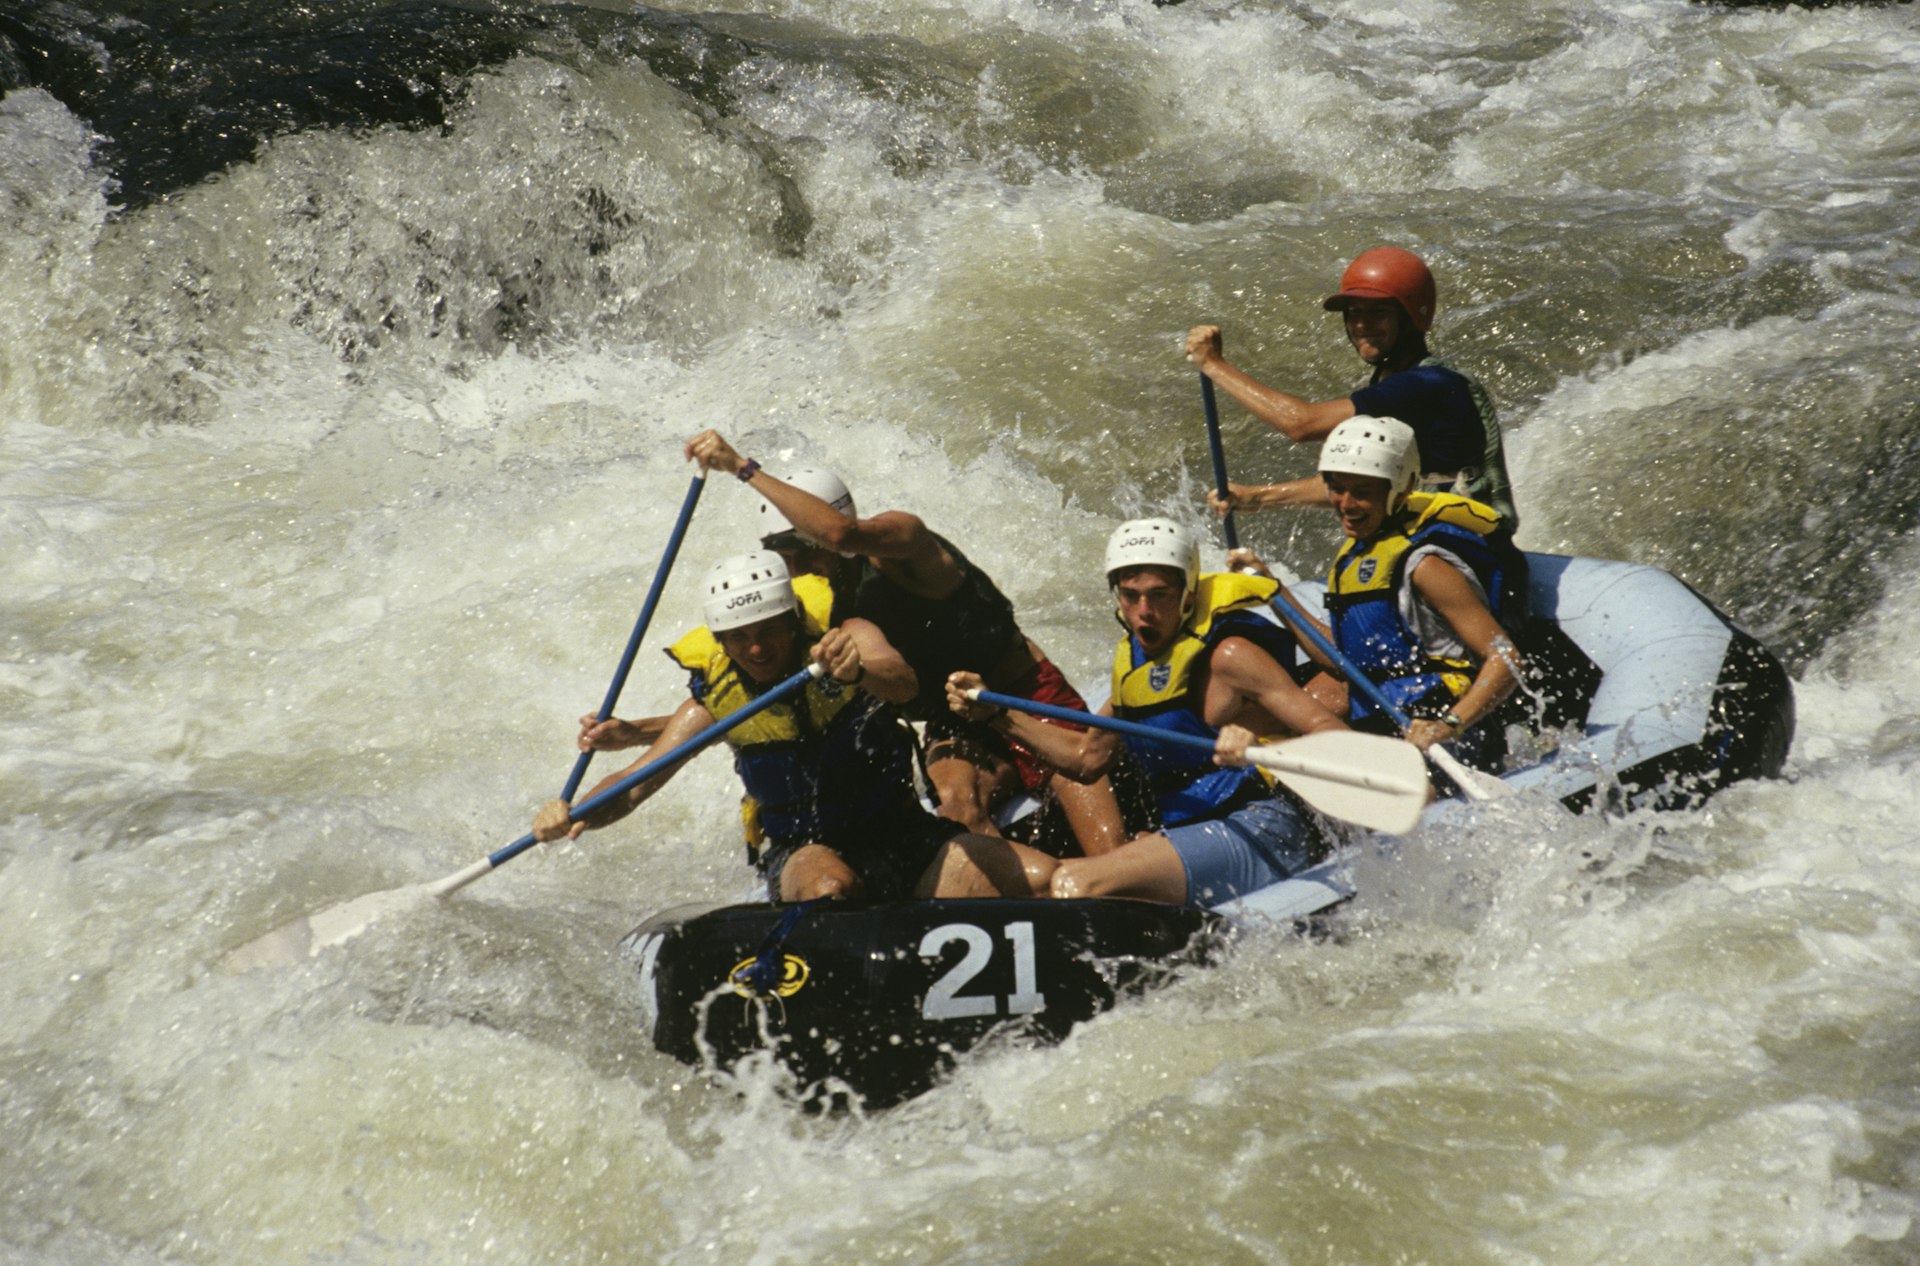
{"x": 817, "y": 480}
{"x": 745, "y": 589}
{"x": 1154, "y": 543}
{"x": 1382, "y": 448}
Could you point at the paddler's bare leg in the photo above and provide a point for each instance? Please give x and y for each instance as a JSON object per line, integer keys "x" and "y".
{"x": 814, "y": 871}
{"x": 1147, "y": 869}
{"x": 967, "y": 789}
{"x": 1092, "y": 811}
{"x": 1093, "y": 814}
{"x": 1329, "y": 692}
{"x": 986, "y": 866}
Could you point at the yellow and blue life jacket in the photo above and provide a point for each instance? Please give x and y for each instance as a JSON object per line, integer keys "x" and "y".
{"x": 781, "y": 753}
{"x": 1160, "y": 692}
{"x": 1364, "y": 608}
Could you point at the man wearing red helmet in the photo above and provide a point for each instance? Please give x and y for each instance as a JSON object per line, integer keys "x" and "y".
{"x": 1387, "y": 299}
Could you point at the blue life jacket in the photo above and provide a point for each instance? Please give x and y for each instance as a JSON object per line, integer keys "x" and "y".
{"x": 1160, "y": 692}
{"x": 1363, "y": 599}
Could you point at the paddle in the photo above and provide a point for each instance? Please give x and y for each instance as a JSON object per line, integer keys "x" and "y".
{"x": 1219, "y": 454}
{"x": 1477, "y": 784}
{"x": 640, "y": 625}
{"x": 312, "y": 933}
{"x": 1369, "y": 779}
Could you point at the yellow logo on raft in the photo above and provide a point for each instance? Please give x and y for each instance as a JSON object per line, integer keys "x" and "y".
{"x": 793, "y": 976}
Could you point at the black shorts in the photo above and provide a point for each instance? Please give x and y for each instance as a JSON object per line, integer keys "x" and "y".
{"x": 889, "y": 852}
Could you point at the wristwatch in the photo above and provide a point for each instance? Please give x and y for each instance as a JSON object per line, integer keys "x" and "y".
{"x": 1452, "y": 718}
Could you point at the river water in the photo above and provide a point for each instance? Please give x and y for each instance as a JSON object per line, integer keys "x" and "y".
{"x": 345, "y": 358}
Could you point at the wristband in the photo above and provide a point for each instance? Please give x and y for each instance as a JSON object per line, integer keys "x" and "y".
{"x": 746, "y": 473}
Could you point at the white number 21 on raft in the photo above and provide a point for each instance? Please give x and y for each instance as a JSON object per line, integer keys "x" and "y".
{"x": 945, "y": 1001}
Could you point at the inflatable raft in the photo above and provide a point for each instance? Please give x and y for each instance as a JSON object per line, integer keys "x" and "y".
{"x": 1659, "y": 701}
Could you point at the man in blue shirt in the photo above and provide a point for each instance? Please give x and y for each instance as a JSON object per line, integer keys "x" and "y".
{"x": 1387, "y": 299}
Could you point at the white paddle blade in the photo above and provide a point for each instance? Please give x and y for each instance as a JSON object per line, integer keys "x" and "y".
{"x": 1367, "y": 779}
{"x": 308, "y": 935}
{"x": 1475, "y": 784}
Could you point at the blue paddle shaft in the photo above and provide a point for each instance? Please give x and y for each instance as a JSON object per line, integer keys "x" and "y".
{"x": 1219, "y": 454}
{"x": 667, "y": 761}
{"x": 640, "y": 626}
{"x": 1356, "y": 679}
{"x": 1094, "y": 719}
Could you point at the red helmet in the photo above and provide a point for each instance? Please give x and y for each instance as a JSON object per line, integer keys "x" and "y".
{"x": 1387, "y": 272}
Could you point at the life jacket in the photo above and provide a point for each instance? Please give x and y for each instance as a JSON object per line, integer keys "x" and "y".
{"x": 1160, "y": 692}
{"x": 1364, "y": 608}
{"x": 1487, "y": 483}
{"x": 779, "y": 752}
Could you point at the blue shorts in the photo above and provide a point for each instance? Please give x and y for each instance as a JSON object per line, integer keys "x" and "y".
{"x": 1261, "y": 844}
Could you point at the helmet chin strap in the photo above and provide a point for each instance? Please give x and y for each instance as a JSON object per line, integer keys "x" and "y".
{"x": 1399, "y": 500}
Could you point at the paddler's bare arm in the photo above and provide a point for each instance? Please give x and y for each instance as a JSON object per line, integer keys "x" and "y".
{"x": 1082, "y": 755}
{"x": 858, "y": 652}
{"x": 1298, "y": 419}
{"x": 1245, "y": 560}
{"x": 1295, "y": 622}
{"x": 1244, "y": 681}
{"x": 1311, "y": 491}
{"x": 1444, "y": 589}
{"x": 689, "y": 719}
{"x": 1230, "y": 746}
{"x": 614, "y": 735}
{"x": 892, "y": 537}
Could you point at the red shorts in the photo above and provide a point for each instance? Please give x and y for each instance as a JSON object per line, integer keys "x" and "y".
{"x": 1044, "y": 684}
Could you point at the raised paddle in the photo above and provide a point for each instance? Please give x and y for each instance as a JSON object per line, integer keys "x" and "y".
{"x": 1219, "y": 455}
{"x": 1477, "y": 784}
{"x": 640, "y": 626}
{"x": 308, "y": 935}
{"x": 1368, "y": 779}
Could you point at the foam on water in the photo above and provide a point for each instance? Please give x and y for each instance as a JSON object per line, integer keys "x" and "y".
{"x": 332, "y": 486}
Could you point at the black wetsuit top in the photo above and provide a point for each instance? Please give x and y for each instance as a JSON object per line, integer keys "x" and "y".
{"x": 969, "y": 630}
